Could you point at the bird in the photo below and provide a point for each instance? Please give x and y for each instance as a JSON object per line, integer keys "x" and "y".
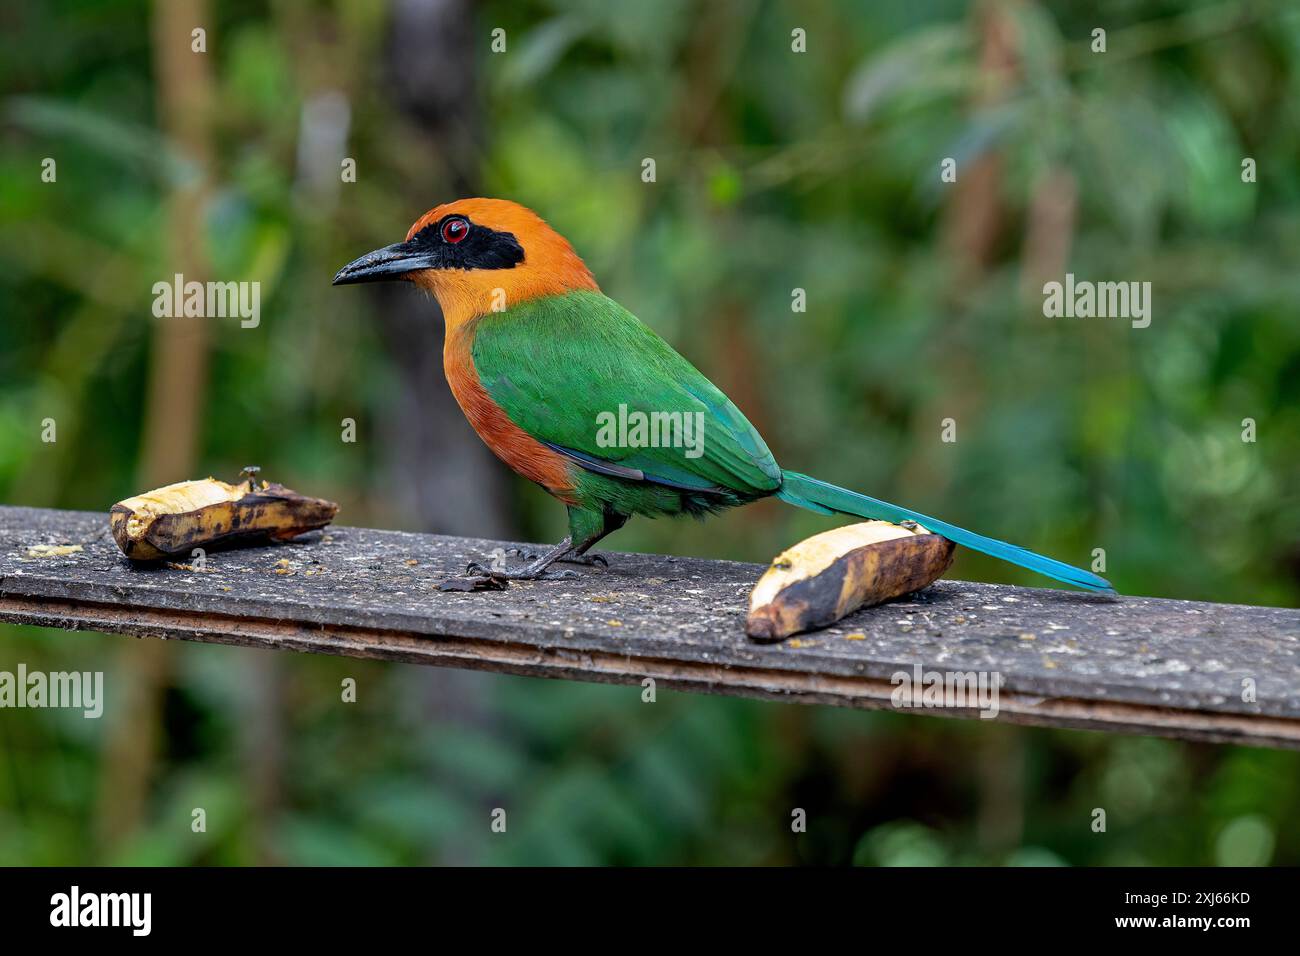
{"x": 575, "y": 393}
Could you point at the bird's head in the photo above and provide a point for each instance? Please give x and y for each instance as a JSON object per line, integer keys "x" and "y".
{"x": 477, "y": 256}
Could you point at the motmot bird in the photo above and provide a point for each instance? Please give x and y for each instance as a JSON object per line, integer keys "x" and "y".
{"x": 539, "y": 359}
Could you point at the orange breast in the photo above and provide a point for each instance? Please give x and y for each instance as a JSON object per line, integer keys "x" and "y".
{"x": 508, "y": 441}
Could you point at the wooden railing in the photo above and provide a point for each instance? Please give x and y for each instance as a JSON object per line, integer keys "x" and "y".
{"x": 1217, "y": 672}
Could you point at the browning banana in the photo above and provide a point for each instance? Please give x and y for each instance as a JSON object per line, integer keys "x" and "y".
{"x": 832, "y": 574}
{"x": 173, "y": 520}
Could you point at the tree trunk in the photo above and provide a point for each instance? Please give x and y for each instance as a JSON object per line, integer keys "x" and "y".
{"x": 443, "y": 477}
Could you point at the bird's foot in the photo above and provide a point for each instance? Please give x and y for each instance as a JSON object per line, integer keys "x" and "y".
{"x": 590, "y": 560}
{"x": 529, "y": 572}
{"x": 494, "y": 575}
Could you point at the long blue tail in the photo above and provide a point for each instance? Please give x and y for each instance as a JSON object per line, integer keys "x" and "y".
{"x": 828, "y": 499}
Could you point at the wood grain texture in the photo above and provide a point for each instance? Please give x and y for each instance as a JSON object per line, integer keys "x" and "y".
{"x": 1138, "y": 665}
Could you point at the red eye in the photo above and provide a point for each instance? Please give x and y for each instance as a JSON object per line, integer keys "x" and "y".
{"x": 454, "y": 230}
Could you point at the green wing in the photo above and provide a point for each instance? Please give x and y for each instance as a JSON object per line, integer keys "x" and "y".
{"x": 561, "y": 367}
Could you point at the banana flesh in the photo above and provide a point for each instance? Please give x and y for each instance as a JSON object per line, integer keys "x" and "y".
{"x": 199, "y": 514}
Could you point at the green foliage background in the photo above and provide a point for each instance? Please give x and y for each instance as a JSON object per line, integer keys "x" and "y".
{"x": 775, "y": 170}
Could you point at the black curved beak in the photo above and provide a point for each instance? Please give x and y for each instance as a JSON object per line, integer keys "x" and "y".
{"x": 390, "y": 262}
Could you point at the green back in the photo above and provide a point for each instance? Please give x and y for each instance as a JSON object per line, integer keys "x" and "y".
{"x": 555, "y": 364}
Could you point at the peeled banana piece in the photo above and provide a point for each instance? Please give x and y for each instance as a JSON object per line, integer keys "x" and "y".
{"x": 832, "y": 574}
{"x": 198, "y": 514}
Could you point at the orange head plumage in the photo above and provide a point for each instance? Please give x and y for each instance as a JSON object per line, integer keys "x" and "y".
{"x": 477, "y": 256}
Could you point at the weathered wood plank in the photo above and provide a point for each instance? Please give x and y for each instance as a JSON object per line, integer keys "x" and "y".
{"x": 1139, "y": 665}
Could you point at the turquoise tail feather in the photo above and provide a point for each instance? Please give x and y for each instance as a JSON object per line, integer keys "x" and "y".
{"x": 826, "y": 498}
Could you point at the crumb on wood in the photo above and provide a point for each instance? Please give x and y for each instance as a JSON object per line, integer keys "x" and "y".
{"x": 52, "y": 550}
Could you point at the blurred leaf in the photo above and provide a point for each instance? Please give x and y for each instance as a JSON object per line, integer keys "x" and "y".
{"x": 539, "y": 50}
{"x": 925, "y": 64}
{"x": 137, "y": 147}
